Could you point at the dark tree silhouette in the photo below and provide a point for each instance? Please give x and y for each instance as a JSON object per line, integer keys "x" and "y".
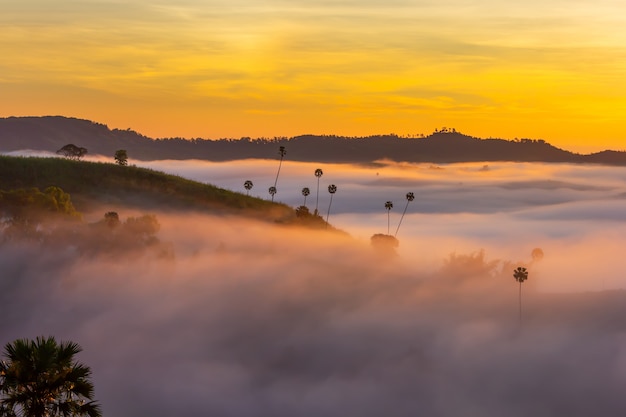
{"x": 520, "y": 274}
{"x": 409, "y": 197}
{"x": 72, "y": 151}
{"x": 537, "y": 254}
{"x": 272, "y": 191}
{"x": 282, "y": 152}
{"x": 121, "y": 157}
{"x": 332, "y": 189}
{"x": 318, "y": 174}
{"x": 248, "y": 186}
{"x": 305, "y": 193}
{"x": 112, "y": 219}
{"x": 388, "y": 206}
{"x": 40, "y": 378}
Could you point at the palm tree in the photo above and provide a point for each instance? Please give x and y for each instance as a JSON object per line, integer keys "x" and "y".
{"x": 318, "y": 174}
{"x": 520, "y": 274}
{"x": 305, "y": 193}
{"x": 332, "y": 189}
{"x": 388, "y": 206}
{"x": 248, "y": 186}
{"x": 409, "y": 197}
{"x": 272, "y": 191}
{"x": 40, "y": 378}
{"x": 282, "y": 152}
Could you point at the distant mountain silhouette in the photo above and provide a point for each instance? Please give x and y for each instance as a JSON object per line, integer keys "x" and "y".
{"x": 50, "y": 133}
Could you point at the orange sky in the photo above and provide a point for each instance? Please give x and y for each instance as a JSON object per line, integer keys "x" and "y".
{"x": 551, "y": 69}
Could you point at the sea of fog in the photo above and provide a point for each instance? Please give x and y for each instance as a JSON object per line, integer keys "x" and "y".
{"x": 252, "y": 319}
{"x": 575, "y": 213}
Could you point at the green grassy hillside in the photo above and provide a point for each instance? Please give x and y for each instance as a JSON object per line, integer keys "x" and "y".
{"x": 91, "y": 183}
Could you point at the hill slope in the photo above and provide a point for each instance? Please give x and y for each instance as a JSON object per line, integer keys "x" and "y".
{"x": 92, "y": 183}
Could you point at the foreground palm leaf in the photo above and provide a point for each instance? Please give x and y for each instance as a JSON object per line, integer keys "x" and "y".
{"x": 40, "y": 378}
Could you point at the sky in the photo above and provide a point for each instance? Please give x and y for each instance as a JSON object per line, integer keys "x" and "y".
{"x": 244, "y": 318}
{"x": 541, "y": 69}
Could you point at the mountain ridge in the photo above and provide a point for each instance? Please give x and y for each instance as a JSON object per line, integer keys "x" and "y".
{"x": 50, "y": 133}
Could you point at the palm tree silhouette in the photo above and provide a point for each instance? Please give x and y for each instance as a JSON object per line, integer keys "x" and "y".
{"x": 318, "y": 174}
{"x": 520, "y": 274}
{"x": 388, "y": 206}
{"x": 273, "y": 191}
{"x": 305, "y": 193}
{"x": 248, "y": 186}
{"x": 282, "y": 152}
{"x": 40, "y": 378}
{"x": 409, "y": 197}
{"x": 332, "y": 189}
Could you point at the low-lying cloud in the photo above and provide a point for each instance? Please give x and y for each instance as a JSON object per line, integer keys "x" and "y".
{"x": 251, "y": 319}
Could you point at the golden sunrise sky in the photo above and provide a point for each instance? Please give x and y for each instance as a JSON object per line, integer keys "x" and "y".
{"x": 550, "y": 69}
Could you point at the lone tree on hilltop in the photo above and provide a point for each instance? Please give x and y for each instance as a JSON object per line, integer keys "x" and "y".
{"x": 318, "y": 174}
{"x": 409, "y": 197}
{"x": 72, "y": 151}
{"x": 40, "y": 378}
{"x": 121, "y": 157}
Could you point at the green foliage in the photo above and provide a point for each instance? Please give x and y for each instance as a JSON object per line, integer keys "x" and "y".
{"x": 40, "y": 378}
{"x": 24, "y": 211}
{"x": 88, "y": 181}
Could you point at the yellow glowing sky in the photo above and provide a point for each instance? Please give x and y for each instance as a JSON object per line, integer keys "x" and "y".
{"x": 551, "y": 69}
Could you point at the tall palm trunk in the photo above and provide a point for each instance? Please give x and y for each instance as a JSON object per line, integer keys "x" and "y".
{"x": 520, "y": 304}
{"x": 409, "y": 197}
{"x": 330, "y": 204}
{"x": 402, "y": 217}
{"x": 317, "y": 197}
{"x": 278, "y": 173}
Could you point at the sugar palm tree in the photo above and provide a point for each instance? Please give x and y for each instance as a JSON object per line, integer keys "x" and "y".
{"x": 388, "y": 206}
{"x": 40, "y": 378}
{"x": 248, "y": 186}
{"x": 409, "y": 197}
{"x": 305, "y": 193}
{"x": 282, "y": 152}
{"x": 520, "y": 274}
{"x": 318, "y": 174}
{"x": 332, "y": 189}
{"x": 272, "y": 191}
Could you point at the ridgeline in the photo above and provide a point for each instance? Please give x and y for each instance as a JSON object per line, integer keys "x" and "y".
{"x": 446, "y": 146}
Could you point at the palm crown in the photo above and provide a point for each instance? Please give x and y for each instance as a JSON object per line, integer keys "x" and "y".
{"x": 40, "y": 378}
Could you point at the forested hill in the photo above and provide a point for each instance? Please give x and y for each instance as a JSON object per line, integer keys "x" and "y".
{"x": 53, "y": 132}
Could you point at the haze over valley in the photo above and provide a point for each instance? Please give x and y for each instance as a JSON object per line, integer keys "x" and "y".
{"x": 243, "y": 317}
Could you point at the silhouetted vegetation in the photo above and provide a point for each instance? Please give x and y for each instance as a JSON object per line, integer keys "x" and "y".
{"x": 409, "y": 197}
{"x": 332, "y": 189}
{"x": 520, "y": 275}
{"x": 89, "y": 182}
{"x": 72, "y": 151}
{"x": 318, "y": 175}
{"x": 121, "y": 157}
{"x": 388, "y": 207}
{"x": 444, "y": 145}
{"x": 384, "y": 245}
{"x": 41, "y": 378}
